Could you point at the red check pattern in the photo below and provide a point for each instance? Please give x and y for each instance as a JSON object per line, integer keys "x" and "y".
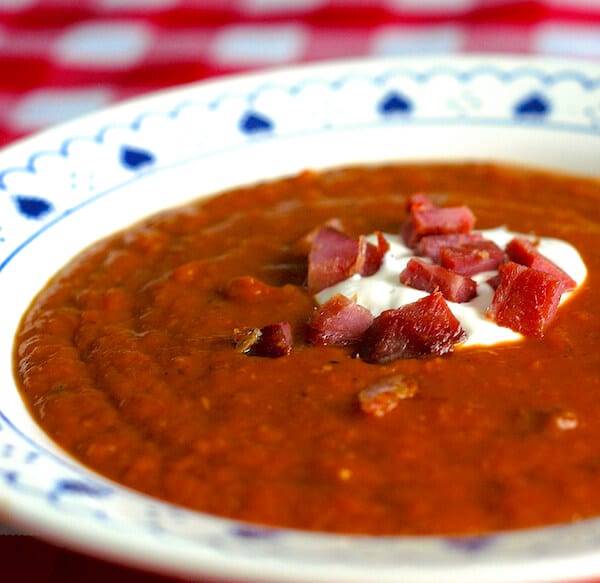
{"x": 63, "y": 58}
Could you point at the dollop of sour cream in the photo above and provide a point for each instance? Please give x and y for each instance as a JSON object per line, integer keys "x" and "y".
{"x": 383, "y": 290}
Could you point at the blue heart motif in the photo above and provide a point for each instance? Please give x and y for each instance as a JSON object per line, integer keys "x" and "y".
{"x": 471, "y": 544}
{"x": 67, "y": 486}
{"x": 135, "y": 158}
{"x": 395, "y": 103}
{"x": 250, "y": 532}
{"x": 33, "y": 207}
{"x": 253, "y": 122}
{"x": 533, "y": 105}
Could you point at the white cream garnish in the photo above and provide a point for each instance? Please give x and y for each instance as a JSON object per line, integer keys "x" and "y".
{"x": 383, "y": 290}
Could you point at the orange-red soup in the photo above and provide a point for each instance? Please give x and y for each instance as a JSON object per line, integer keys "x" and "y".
{"x": 126, "y": 360}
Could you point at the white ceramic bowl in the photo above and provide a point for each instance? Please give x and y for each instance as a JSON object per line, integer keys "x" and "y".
{"x": 69, "y": 186}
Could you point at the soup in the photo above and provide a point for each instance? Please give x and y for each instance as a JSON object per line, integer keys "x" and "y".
{"x": 138, "y": 359}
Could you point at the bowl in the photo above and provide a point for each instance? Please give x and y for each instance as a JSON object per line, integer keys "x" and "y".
{"x": 65, "y": 188}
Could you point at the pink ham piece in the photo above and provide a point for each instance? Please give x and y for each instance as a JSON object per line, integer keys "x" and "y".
{"x": 332, "y": 258}
{"x": 526, "y": 253}
{"x": 338, "y": 322}
{"x": 494, "y": 281}
{"x": 335, "y": 256}
{"x": 272, "y": 340}
{"x": 428, "y": 277}
{"x": 437, "y": 221}
{"x": 383, "y": 246}
{"x": 304, "y": 244}
{"x": 472, "y": 258}
{"x": 430, "y": 245}
{"x": 440, "y": 221}
{"x": 370, "y": 256}
{"x": 419, "y": 201}
{"x": 384, "y": 395}
{"x": 424, "y": 327}
{"x": 526, "y": 299}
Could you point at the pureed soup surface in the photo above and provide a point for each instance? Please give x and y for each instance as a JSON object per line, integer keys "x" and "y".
{"x": 126, "y": 360}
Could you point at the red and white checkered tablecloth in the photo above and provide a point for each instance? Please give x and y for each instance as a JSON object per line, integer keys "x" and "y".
{"x": 63, "y": 58}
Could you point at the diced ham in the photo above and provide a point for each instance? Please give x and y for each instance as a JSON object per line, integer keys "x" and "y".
{"x": 272, "y": 340}
{"x": 421, "y": 328}
{"x": 385, "y": 395}
{"x": 430, "y": 245}
{"x": 437, "y": 221}
{"x": 370, "y": 256}
{"x": 383, "y": 245}
{"x": 407, "y": 232}
{"x": 338, "y": 322}
{"x": 331, "y": 259}
{"x": 335, "y": 256}
{"x": 440, "y": 221}
{"x": 419, "y": 201}
{"x": 428, "y": 277}
{"x": 524, "y": 252}
{"x": 368, "y": 259}
{"x": 472, "y": 258}
{"x": 494, "y": 281}
{"x": 526, "y": 299}
{"x": 304, "y": 244}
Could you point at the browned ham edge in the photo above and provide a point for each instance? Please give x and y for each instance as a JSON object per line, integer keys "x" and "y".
{"x": 419, "y": 201}
{"x": 425, "y": 327}
{"x": 304, "y": 244}
{"x": 385, "y": 395}
{"x": 430, "y": 245}
{"x": 272, "y": 340}
{"x": 526, "y": 253}
{"x": 426, "y": 219}
{"x": 430, "y": 278}
{"x": 339, "y": 321}
{"x": 472, "y": 258}
{"x": 335, "y": 256}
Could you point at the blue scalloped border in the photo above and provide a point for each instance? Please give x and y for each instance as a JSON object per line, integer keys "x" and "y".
{"x": 258, "y": 123}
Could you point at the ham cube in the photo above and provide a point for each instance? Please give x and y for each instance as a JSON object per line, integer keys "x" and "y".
{"x": 430, "y": 245}
{"x": 369, "y": 258}
{"x": 419, "y": 201}
{"x": 304, "y": 244}
{"x": 437, "y": 221}
{"x": 272, "y": 340}
{"x": 331, "y": 259}
{"x": 494, "y": 281}
{"x": 428, "y": 277}
{"x": 383, "y": 246}
{"x": 441, "y": 221}
{"x": 525, "y": 300}
{"x": 385, "y": 395}
{"x": 335, "y": 256}
{"x": 472, "y": 258}
{"x": 425, "y": 327}
{"x": 524, "y": 252}
{"x": 338, "y": 322}
{"x": 407, "y": 232}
